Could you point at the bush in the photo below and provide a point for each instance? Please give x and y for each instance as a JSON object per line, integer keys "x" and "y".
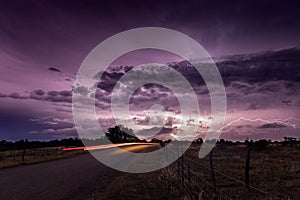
{"x": 2, "y": 157}
{"x": 260, "y": 145}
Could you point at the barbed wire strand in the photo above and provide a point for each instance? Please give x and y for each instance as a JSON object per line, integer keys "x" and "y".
{"x": 232, "y": 178}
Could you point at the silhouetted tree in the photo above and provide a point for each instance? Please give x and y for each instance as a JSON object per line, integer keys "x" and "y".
{"x": 260, "y": 145}
{"x": 198, "y": 141}
{"x": 155, "y": 140}
{"x": 119, "y": 134}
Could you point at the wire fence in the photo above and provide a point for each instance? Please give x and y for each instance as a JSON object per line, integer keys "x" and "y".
{"x": 20, "y": 156}
{"x": 201, "y": 181}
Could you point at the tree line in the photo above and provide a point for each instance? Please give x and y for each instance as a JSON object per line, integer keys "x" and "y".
{"x": 121, "y": 134}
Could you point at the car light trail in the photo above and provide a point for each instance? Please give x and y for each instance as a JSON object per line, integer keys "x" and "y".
{"x": 105, "y": 146}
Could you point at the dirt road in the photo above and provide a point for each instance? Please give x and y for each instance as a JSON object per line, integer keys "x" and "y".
{"x": 79, "y": 177}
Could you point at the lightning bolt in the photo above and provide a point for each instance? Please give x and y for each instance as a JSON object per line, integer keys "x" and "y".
{"x": 278, "y": 121}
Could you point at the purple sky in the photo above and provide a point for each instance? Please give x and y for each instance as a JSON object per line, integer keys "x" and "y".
{"x": 43, "y": 44}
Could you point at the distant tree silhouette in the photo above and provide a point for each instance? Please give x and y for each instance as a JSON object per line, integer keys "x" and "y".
{"x": 222, "y": 141}
{"x": 155, "y": 140}
{"x": 120, "y": 134}
{"x": 26, "y": 144}
{"x": 198, "y": 141}
{"x": 289, "y": 139}
{"x": 168, "y": 141}
{"x": 260, "y": 145}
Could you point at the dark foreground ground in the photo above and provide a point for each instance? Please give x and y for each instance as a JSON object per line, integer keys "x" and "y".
{"x": 274, "y": 174}
{"x": 79, "y": 177}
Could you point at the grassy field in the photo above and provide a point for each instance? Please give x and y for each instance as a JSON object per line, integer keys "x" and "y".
{"x": 154, "y": 185}
{"x": 274, "y": 171}
{"x": 160, "y": 184}
{"x": 274, "y": 174}
{"x": 13, "y": 158}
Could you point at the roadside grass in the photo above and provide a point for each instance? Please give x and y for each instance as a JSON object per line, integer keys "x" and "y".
{"x": 274, "y": 174}
{"x": 154, "y": 185}
{"x": 275, "y": 170}
{"x": 160, "y": 184}
{"x": 12, "y": 158}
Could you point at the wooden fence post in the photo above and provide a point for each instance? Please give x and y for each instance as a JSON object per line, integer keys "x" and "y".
{"x": 212, "y": 172}
{"x": 182, "y": 171}
{"x": 14, "y": 155}
{"x": 247, "y": 166}
{"x": 178, "y": 167}
{"x": 189, "y": 174}
{"x": 24, "y": 151}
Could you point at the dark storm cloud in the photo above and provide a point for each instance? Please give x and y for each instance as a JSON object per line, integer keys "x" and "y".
{"x": 257, "y": 77}
{"x": 62, "y": 32}
{"x": 60, "y": 97}
{"x": 66, "y": 93}
{"x": 260, "y": 67}
{"x": 143, "y": 98}
{"x": 110, "y": 77}
{"x": 263, "y": 80}
{"x": 103, "y": 96}
{"x": 273, "y": 72}
{"x": 81, "y": 90}
{"x": 52, "y": 96}
{"x": 16, "y": 95}
{"x": 54, "y": 69}
{"x": 107, "y": 85}
{"x": 53, "y": 93}
{"x": 272, "y": 125}
{"x": 39, "y": 92}
{"x": 286, "y": 102}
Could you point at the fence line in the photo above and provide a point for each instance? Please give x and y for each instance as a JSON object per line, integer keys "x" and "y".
{"x": 232, "y": 178}
{"x": 187, "y": 185}
{"x": 215, "y": 188}
{"x": 183, "y": 171}
{"x": 15, "y": 157}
